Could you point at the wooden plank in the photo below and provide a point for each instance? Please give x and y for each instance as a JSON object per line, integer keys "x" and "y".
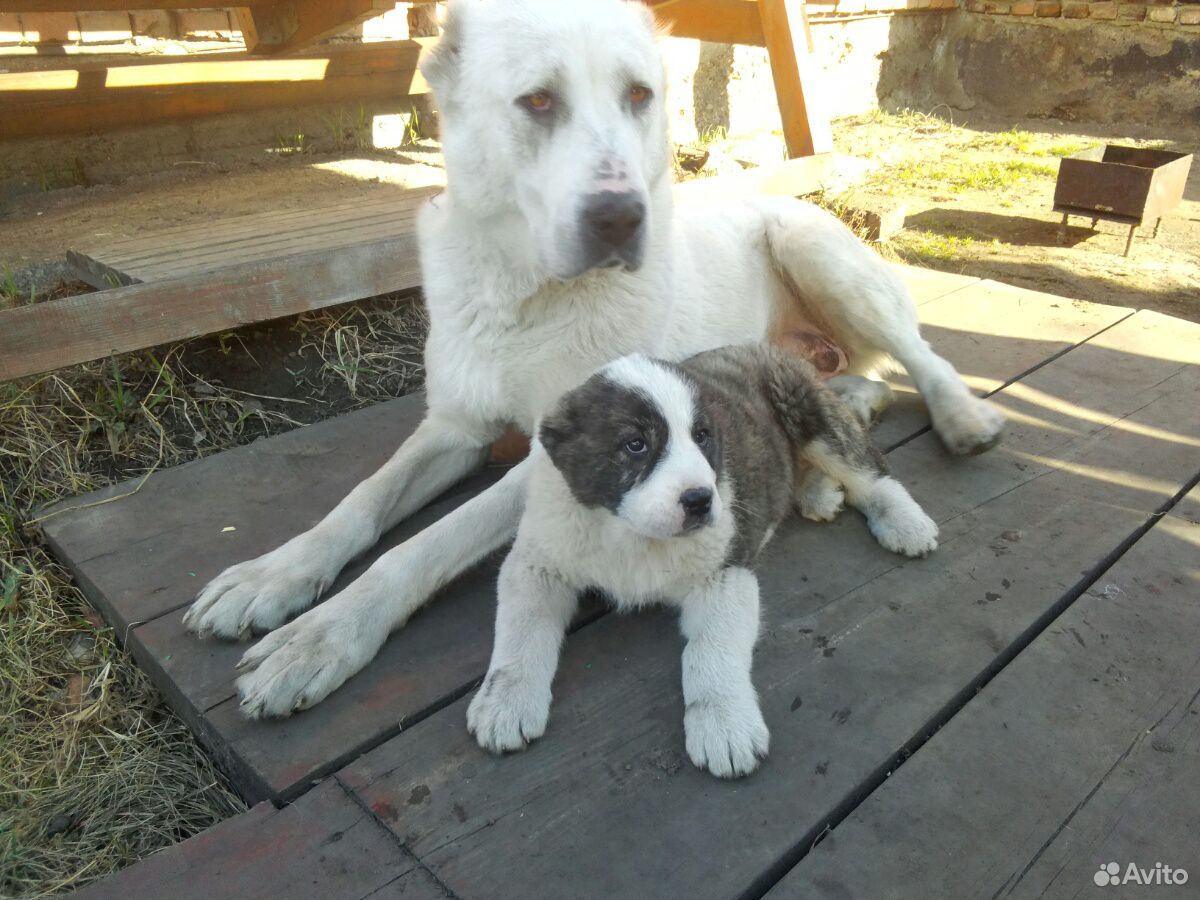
{"x": 197, "y": 249}
{"x": 860, "y": 653}
{"x": 324, "y": 846}
{"x": 100, "y": 96}
{"x": 805, "y": 123}
{"x": 58, "y": 333}
{"x": 273, "y": 489}
{"x": 721, "y": 21}
{"x": 285, "y": 26}
{"x": 1083, "y": 751}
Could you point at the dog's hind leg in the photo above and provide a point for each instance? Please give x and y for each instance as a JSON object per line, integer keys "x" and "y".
{"x": 819, "y": 497}
{"x": 867, "y": 308}
{"x": 834, "y": 442}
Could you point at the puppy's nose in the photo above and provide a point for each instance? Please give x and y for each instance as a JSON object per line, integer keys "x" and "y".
{"x": 614, "y": 218}
{"x": 696, "y": 502}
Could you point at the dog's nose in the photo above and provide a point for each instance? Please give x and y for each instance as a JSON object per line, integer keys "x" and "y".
{"x": 696, "y": 502}
{"x": 614, "y": 218}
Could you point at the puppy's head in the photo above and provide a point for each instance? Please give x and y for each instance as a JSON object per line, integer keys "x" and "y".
{"x": 636, "y": 439}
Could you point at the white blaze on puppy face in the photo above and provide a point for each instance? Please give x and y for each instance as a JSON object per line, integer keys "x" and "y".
{"x": 653, "y": 507}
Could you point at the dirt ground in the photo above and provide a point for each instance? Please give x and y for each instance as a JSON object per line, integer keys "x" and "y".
{"x": 94, "y": 771}
{"x": 979, "y": 200}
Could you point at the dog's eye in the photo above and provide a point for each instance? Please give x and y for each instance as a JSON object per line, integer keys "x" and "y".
{"x": 540, "y": 102}
{"x": 700, "y": 436}
{"x": 635, "y": 447}
{"x": 639, "y": 94}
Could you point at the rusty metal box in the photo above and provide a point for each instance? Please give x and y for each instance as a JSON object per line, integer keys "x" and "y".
{"x": 1121, "y": 184}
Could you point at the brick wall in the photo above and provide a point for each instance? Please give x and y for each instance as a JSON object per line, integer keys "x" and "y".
{"x": 1160, "y": 14}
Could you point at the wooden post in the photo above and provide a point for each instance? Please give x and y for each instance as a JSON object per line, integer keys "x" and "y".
{"x": 423, "y": 22}
{"x": 805, "y": 125}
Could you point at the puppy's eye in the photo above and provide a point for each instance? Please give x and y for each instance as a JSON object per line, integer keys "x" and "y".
{"x": 639, "y": 94}
{"x": 539, "y": 102}
{"x": 700, "y": 436}
{"x": 636, "y": 447}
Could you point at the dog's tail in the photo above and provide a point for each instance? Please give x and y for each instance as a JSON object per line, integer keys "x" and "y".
{"x": 811, "y": 410}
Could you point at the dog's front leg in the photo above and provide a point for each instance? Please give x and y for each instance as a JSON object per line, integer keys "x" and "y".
{"x": 300, "y": 664}
{"x": 533, "y": 611}
{"x": 724, "y": 727}
{"x": 261, "y": 594}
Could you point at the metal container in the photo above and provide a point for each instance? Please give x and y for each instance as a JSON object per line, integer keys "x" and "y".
{"x": 1130, "y": 185}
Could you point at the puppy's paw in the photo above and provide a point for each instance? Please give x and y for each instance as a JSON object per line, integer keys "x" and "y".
{"x": 820, "y": 498}
{"x": 909, "y": 533}
{"x": 968, "y": 425}
{"x": 726, "y": 736}
{"x": 508, "y": 712}
{"x": 865, "y": 397}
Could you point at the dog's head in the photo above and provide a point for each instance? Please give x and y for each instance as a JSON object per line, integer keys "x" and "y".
{"x": 552, "y": 115}
{"x": 637, "y": 439}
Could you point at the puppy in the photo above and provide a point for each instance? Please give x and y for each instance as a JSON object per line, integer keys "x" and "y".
{"x": 656, "y": 482}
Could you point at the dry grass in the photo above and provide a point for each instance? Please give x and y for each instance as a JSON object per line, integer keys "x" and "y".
{"x": 94, "y": 772}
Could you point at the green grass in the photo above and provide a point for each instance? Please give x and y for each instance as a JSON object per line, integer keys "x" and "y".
{"x": 915, "y": 245}
{"x": 955, "y": 177}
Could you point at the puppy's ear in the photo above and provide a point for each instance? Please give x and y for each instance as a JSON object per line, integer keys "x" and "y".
{"x": 440, "y": 64}
{"x": 552, "y": 432}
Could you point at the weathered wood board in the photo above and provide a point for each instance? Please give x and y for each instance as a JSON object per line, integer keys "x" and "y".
{"x": 58, "y": 333}
{"x": 323, "y": 847}
{"x": 862, "y": 656}
{"x": 1084, "y": 751}
{"x": 141, "y": 559}
{"x": 195, "y": 249}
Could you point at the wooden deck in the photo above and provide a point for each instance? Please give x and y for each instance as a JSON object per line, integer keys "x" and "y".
{"x": 996, "y": 720}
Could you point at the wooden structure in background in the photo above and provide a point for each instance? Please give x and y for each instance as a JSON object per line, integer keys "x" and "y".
{"x": 270, "y": 27}
{"x": 80, "y": 98}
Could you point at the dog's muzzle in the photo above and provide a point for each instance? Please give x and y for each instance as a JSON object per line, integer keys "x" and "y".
{"x": 613, "y": 229}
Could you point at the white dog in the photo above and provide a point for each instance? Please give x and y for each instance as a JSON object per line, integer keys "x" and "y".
{"x": 654, "y": 482}
{"x": 554, "y": 249}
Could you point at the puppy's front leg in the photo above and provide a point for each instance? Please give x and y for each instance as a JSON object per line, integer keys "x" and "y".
{"x": 533, "y": 611}
{"x": 725, "y": 730}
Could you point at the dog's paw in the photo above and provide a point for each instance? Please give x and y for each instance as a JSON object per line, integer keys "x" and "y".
{"x": 971, "y": 425}
{"x": 727, "y": 737}
{"x": 302, "y": 663}
{"x": 820, "y": 498}
{"x": 900, "y": 525}
{"x": 256, "y": 596}
{"x": 508, "y": 712}
{"x": 865, "y": 397}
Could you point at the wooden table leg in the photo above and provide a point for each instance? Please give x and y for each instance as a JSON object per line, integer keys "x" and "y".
{"x": 805, "y": 125}
{"x": 1129, "y": 240}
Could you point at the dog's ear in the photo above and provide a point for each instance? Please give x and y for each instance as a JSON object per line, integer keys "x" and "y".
{"x": 440, "y": 64}
{"x": 552, "y": 432}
